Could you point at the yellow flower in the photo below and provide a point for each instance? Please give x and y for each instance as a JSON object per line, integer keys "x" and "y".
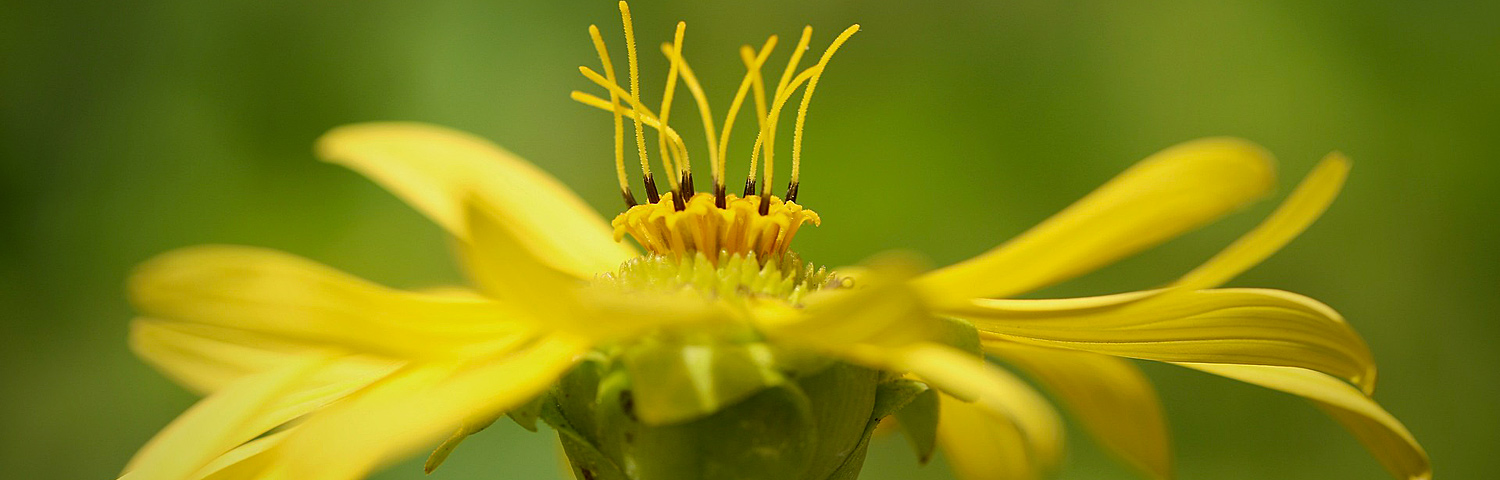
{"x": 313, "y": 374}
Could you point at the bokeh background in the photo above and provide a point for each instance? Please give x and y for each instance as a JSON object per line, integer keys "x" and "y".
{"x": 131, "y": 128}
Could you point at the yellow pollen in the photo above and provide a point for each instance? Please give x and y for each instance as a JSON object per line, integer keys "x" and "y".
{"x": 703, "y": 227}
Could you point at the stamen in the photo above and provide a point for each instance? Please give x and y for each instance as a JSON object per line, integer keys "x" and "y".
{"x": 666, "y": 110}
{"x": 648, "y": 119}
{"x": 768, "y": 131}
{"x": 708, "y": 119}
{"x": 752, "y": 76}
{"x": 812, "y": 83}
{"x": 614, "y": 100}
{"x": 635, "y": 89}
{"x": 776, "y": 106}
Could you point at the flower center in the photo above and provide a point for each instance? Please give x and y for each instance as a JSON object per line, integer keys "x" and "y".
{"x": 729, "y": 276}
{"x": 701, "y": 226}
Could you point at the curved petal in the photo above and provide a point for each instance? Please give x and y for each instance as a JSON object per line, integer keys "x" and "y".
{"x": 1167, "y": 194}
{"x": 997, "y": 392}
{"x": 1109, "y": 396}
{"x": 1305, "y": 204}
{"x": 980, "y": 446}
{"x": 264, "y": 293}
{"x": 1236, "y": 326}
{"x": 420, "y": 407}
{"x": 437, "y": 170}
{"x": 206, "y": 358}
{"x": 1385, "y": 437}
{"x": 219, "y": 423}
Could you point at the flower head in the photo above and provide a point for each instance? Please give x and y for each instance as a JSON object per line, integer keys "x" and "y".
{"x": 719, "y": 351}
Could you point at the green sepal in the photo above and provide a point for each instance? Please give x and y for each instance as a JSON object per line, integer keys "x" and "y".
{"x": 440, "y": 454}
{"x": 526, "y": 414}
{"x": 960, "y": 334}
{"x": 915, "y": 406}
{"x": 677, "y": 381}
{"x": 919, "y": 421}
{"x": 586, "y": 460}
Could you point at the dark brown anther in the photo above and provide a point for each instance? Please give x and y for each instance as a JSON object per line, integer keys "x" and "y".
{"x": 629, "y": 197}
{"x": 651, "y": 193}
{"x": 678, "y": 203}
{"x": 791, "y": 192}
{"x": 765, "y": 204}
{"x": 719, "y": 198}
{"x": 687, "y": 185}
{"x": 749, "y": 187}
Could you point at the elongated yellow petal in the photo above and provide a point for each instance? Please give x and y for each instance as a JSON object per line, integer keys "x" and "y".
{"x": 995, "y": 391}
{"x": 1165, "y": 195}
{"x": 420, "y": 407}
{"x": 1238, "y": 326}
{"x": 265, "y": 293}
{"x": 206, "y": 358}
{"x": 559, "y": 301}
{"x": 882, "y": 310}
{"x": 217, "y": 424}
{"x": 245, "y": 461}
{"x": 1290, "y": 219}
{"x": 1108, "y": 395}
{"x": 1385, "y": 437}
{"x": 436, "y": 170}
{"x": 980, "y": 446}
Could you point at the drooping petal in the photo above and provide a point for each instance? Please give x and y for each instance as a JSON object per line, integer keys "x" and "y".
{"x": 219, "y": 423}
{"x": 1110, "y": 396}
{"x": 264, "y": 293}
{"x": 419, "y": 407}
{"x": 1172, "y": 192}
{"x": 1386, "y": 438}
{"x": 980, "y": 446}
{"x": 206, "y": 358}
{"x": 1291, "y": 218}
{"x": 993, "y": 390}
{"x": 243, "y": 462}
{"x": 437, "y": 170}
{"x": 1234, "y": 326}
{"x": 882, "y": 310}
{"x": 500, "y": 266}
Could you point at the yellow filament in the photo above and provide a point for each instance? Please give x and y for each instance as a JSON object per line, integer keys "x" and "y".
{"x": 776, "y": 105}
{"x": 751, "y": 76}
{"x": 609, "y": 73}
{"x": 703, "y": 111}
{"x": 666, "y": 105}
{"x": 758, "y": 83}
{"x": 812, "y": 83}
{"x": 648, "y": 119}
{"x": 768, "y": 131}
{"x": 635, "y": 89}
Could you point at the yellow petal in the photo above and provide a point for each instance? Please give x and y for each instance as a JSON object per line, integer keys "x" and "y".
{"x": 1238, "y": 326}
{"x": 882, "y": 310}
{"x": 1385, "y": 437}
{"x": 436, "y": 170}
{"x": 995, "y": 391}
{"x": 419, "y": 407}
{"x": 559, "y": 301}
{"x": 1290, "y": 219}
{"x": 265, "y": 293}
{"x": 1108, "y": 395}
{"x": 206, "y": 358}
{"x": 245, "y": 461}
{"x": 981, "y": 446}
{"x": 218, "y": 423}
{"x": 1163, "y": 196}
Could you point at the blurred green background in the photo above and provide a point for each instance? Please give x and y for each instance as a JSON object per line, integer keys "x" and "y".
{"x": 131, "y": 128}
